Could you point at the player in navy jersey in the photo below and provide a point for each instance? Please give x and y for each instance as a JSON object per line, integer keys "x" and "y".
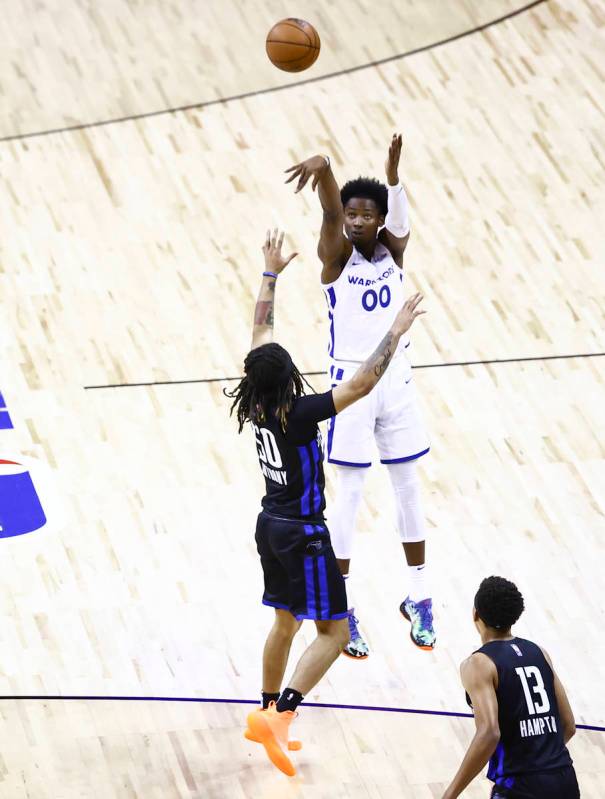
{"x": 522, "y": 715}
{"x": 302, "y": 579}
{"x": 364, "y": 232}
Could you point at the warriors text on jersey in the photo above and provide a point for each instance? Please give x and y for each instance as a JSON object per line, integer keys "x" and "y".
{"x": 292, "y": 461}
{"x": 363, "y": 303}
{"x": 531, "y": 735}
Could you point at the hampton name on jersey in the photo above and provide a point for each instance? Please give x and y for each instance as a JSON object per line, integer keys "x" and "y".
{"x": 531, "y": 733}
{"x": 363, "y": 303}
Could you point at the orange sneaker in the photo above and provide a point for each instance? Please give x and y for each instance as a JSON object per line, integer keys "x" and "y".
{"x": 293, "y": 746}
{"x": 270, "y": 728}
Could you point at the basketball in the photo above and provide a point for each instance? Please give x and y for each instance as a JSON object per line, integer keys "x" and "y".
{"x": 293, "y": 45}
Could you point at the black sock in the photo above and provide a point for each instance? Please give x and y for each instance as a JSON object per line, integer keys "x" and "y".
{"x": 289, "y": 700}
{"x": 269, "y": 698}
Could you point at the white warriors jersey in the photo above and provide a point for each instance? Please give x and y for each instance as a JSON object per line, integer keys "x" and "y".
{"x": 362, "y": 305}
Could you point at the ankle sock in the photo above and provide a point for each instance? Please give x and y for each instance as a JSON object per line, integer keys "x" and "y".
{"x": 268, "y": 698}
{"x": 289, "y": 700}
{"x": 418, "y": 578}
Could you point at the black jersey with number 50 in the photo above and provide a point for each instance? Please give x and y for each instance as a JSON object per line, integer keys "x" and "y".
{"x": 292, "y": 461}
{"x": 531, "y": 736}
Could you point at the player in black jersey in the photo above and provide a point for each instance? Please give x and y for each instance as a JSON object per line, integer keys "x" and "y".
{"x": 302, "y": 578}
{"x": 522, "y": 715}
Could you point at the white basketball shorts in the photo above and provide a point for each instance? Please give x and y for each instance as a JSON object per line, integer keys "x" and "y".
{"x": 388, "y": 415}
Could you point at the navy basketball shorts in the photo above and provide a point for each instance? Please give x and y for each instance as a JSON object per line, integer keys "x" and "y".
{"x": 559, "y": 783}
{"x": 300, "y": 569}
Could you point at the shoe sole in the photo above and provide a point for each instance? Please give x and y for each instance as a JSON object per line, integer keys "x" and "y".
{"x": 354, "y": 657}
{"x": 293, "y": 746}
{"x": 264, "y": 734}
{"x": 424, "y": 647}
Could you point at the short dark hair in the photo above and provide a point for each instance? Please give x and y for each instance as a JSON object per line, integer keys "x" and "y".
{"x": 271, "y": 381}
{"x": 499, "y": 603}
{"x": 367, "y": 189}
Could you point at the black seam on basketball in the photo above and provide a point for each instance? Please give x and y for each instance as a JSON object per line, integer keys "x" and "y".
{"x": 295, "y": 60}
{"x": 271, "y": 89}
{"x": 292, "y": 44}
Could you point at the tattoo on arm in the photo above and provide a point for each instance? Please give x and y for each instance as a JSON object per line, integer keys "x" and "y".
{"x": 381, "y": 357}
{"x": 263, "y": 313}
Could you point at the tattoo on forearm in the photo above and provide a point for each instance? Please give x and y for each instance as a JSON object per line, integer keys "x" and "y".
{"x": 263, "y": 313}
{"x": 381, "y": 357}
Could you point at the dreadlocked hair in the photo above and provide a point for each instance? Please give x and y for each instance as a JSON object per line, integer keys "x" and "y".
{"x": 271, "y": 383}
{"x": 499, "y": 603}
{"x": 367, "y": 189}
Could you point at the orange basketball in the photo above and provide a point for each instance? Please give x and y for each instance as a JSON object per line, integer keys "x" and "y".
{"x": 293, "y": 45}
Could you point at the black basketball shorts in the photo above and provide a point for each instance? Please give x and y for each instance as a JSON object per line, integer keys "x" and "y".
{"x": 559, "y": 783}
{"x": 300, "y": 569}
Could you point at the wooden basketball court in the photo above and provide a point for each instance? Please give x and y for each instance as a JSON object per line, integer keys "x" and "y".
{"x": 129, "y": 264}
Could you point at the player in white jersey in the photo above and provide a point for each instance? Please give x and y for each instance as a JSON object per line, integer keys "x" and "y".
{"x": 364, "y": 232}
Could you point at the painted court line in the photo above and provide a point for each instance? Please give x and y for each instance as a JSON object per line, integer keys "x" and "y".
{"x": 227, "y": 701}
{"x": 279, "y": 87}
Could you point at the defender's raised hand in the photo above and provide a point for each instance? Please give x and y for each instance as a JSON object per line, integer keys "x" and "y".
{"x": 409, "y": 311}
{"x": 274, "y": 260}
{"x": 313, "y": 166}
{"x": 391, "y": 165}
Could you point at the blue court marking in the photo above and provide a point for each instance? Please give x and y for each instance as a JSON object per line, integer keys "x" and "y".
{"x": 227, "y": 701}
{"x": 5, "y": 420}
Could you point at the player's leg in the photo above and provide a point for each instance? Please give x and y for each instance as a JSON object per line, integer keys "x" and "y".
{"x": 417, "y": 607}
{"x": 276, "y": 652}
{"x": 401, "y": 440}
{"x": 332, "y": 637}
{"x": 342, "y": 516}
{"x": 350, "y": 450}
{"x": 275, "y": 659}
{"x": 277, "y": 595}
{"x": 317, "y": 591}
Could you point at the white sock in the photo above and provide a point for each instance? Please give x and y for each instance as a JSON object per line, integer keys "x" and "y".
{"x": 347, "y": 579}
{"x": 419, "y": 588}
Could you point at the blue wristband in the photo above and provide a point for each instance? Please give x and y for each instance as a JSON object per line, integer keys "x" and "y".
{"x": 270, "y": 274}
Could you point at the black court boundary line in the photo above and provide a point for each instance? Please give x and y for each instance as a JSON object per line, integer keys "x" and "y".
{"x": 280, "y": 87}
{"x": 220, "y": 701}
{"x": 528, "y": 359}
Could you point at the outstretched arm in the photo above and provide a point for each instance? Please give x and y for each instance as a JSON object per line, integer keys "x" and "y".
{"x": 479, "y": 677}
{"x": 396, "y": 232}
{"x": 275, "y": 263}
{"x": 370, "y": 372}
{"x": 334, "y": 249}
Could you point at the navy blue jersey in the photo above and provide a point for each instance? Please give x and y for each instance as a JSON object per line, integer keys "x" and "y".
{"x": 292, "y": 461}
{"x": 531, "y": 735}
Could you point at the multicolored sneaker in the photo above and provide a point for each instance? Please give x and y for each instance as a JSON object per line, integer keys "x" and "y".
{"x": 420, "y": 614}
{"x": 271, "y": 728}
{"x": 293, "y": 746}
{"x": 357, "y": 647}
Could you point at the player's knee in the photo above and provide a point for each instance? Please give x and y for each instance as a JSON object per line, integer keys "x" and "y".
{"x": 408, "y": 502}
{"x": 286, "y": 625}
{"x": 337, "y": 630}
